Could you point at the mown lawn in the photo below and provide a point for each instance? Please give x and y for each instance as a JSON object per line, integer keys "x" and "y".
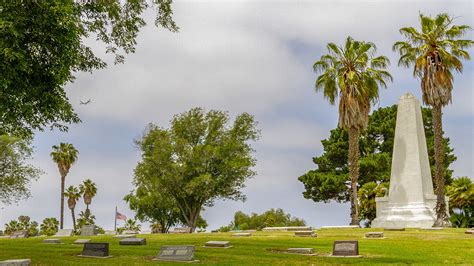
{"x": 448, "y": 246}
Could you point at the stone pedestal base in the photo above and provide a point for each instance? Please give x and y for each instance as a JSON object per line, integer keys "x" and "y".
{"x": 410, "y": 215}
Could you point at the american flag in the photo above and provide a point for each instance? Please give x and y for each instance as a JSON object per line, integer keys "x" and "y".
{"x": 119, "y": 216}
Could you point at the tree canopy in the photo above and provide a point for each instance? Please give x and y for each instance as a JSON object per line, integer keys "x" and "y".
{"x": 15, "y": 173}
{"x": 329, "y": 181}
{"x": 43, "y": 44}
{"x": 199, "y": 159}
{"x": 270, "y": 218}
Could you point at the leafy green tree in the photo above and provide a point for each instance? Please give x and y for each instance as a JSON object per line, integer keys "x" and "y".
{"x": 152, "y": 203}
{"x": 88, "y": 189}
{"x": 15, "y": 173}
{"x": 49, "y": 226}
{"x": 270, "y": 218}
{"x": 328, "y": 181}
{"x": 64, "y": 155}
{"x": 461, "y": 202}
{"x": 435, "y": 53}
{"x": 43, "y": 44}
{"x": 367, "y": 194}
{"x": 354, "y": 74}
{"x": 73, "y": 195}
{"x": 198, "y": 159}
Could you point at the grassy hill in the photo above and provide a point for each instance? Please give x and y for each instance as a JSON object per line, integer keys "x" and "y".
{"x": 448, "y": 246}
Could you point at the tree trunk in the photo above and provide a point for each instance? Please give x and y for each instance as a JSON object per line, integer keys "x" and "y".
{"x": 193, "y": 220}
{"x": 354, "y": 172}
{"x": 73, "y": 219}
{"x": 61, "y": 219}
{"x": 441, "y": 216}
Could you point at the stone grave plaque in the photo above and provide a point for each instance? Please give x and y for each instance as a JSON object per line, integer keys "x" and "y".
{"x": 242, "y": 234}
{"x": 17, "y": 262}
{"x": 124, "y": 236}
{"x": 19, "y": 234}
{"x": 110, "y": 232}
{"x": 88, "y": 230}
{"x": 133, "y": 241}
{"x": 217, "y": 244}
{"x": 345, "y": 248}
{"x": 300, "y": 250}
{"x": 52, "y": 241}
{"x": 176, "y": 253}
{"x": 100, "y": 250}
{"x": 63, "y": 233}
{"x": 469, "y": 232}
{"x": 81, "y": 241}
{"x": 374, "y": 235}
{"x": 305, "y": 233}
{"x": 181, "y": 230}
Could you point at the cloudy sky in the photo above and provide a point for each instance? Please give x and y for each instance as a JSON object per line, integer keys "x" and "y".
{"x": 251, "y": 57}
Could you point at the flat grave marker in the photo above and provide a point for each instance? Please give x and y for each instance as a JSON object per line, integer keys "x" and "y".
{"x": 217, "y": 244}
{"x": 81, "y": 241}
{"x": 110, "y": 232}
{"x": 242, "y": 234}
{"x": 374, "y": 235}
{"x": 88, "y": 230}
{"x": 133, "y": 241}
{"x": 305, "y": 234}
{"x": 52, "y": 241}
{"x": 345, "y": 248}
{"x": 305, "y": 251}
{"x": 176, "y": 253}
{"x": 17, "y": 262}
{"x": 181, "y": 230}
{"x": 95, "y": 250}
{"x": 64, "y": 233}
{"x": 469, "y": 232}
{"x": 19, "y": 234}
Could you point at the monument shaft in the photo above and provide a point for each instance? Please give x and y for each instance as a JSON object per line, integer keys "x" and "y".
{"x": 410, "y": 201}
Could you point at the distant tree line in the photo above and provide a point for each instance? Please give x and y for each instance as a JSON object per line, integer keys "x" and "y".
{"x": 254, "y": 221}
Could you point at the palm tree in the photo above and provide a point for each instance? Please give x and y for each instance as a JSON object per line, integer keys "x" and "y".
{"x": 65, "y": 155}
{"x": 354, "y": 74}
{"x": 88, "y": 189}
{"x": 73, "y": 195}
{"x": 435, "y": 52}
{"x": 49, "y": 226}
{"x": 461, "y": 193}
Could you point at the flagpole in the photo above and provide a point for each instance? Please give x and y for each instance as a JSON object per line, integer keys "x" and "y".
{"x": 115, "y": 217}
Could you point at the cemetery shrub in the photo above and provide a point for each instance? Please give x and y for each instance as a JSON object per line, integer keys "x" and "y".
{"x": 270, "y": 218}
{"x": 23, "y": 223}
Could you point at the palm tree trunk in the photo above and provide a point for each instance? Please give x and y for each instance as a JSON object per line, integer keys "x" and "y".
{"x": 441, "y": 216}
{"x": 73, "y": 219}
{"x": 354, "y": 172}
{"x": 61, "y": 219}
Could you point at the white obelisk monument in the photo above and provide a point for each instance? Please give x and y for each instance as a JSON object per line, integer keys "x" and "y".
{"x": 410, "y": 201}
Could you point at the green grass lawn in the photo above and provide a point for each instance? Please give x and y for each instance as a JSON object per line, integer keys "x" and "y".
{"x": 448, "y": 246}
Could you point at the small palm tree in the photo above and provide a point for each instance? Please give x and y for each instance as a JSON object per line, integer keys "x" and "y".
{"x": 354, "y": 74}
{"x": 131, "y": 225}
{"x": 435, "y": 53}
{"x": 461, "y": 193}
{"x": 49, "y": 226}
{"x": 73, "y": 195}
{"x": 88, "y": 190}
{"x": 64, "y": 155}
